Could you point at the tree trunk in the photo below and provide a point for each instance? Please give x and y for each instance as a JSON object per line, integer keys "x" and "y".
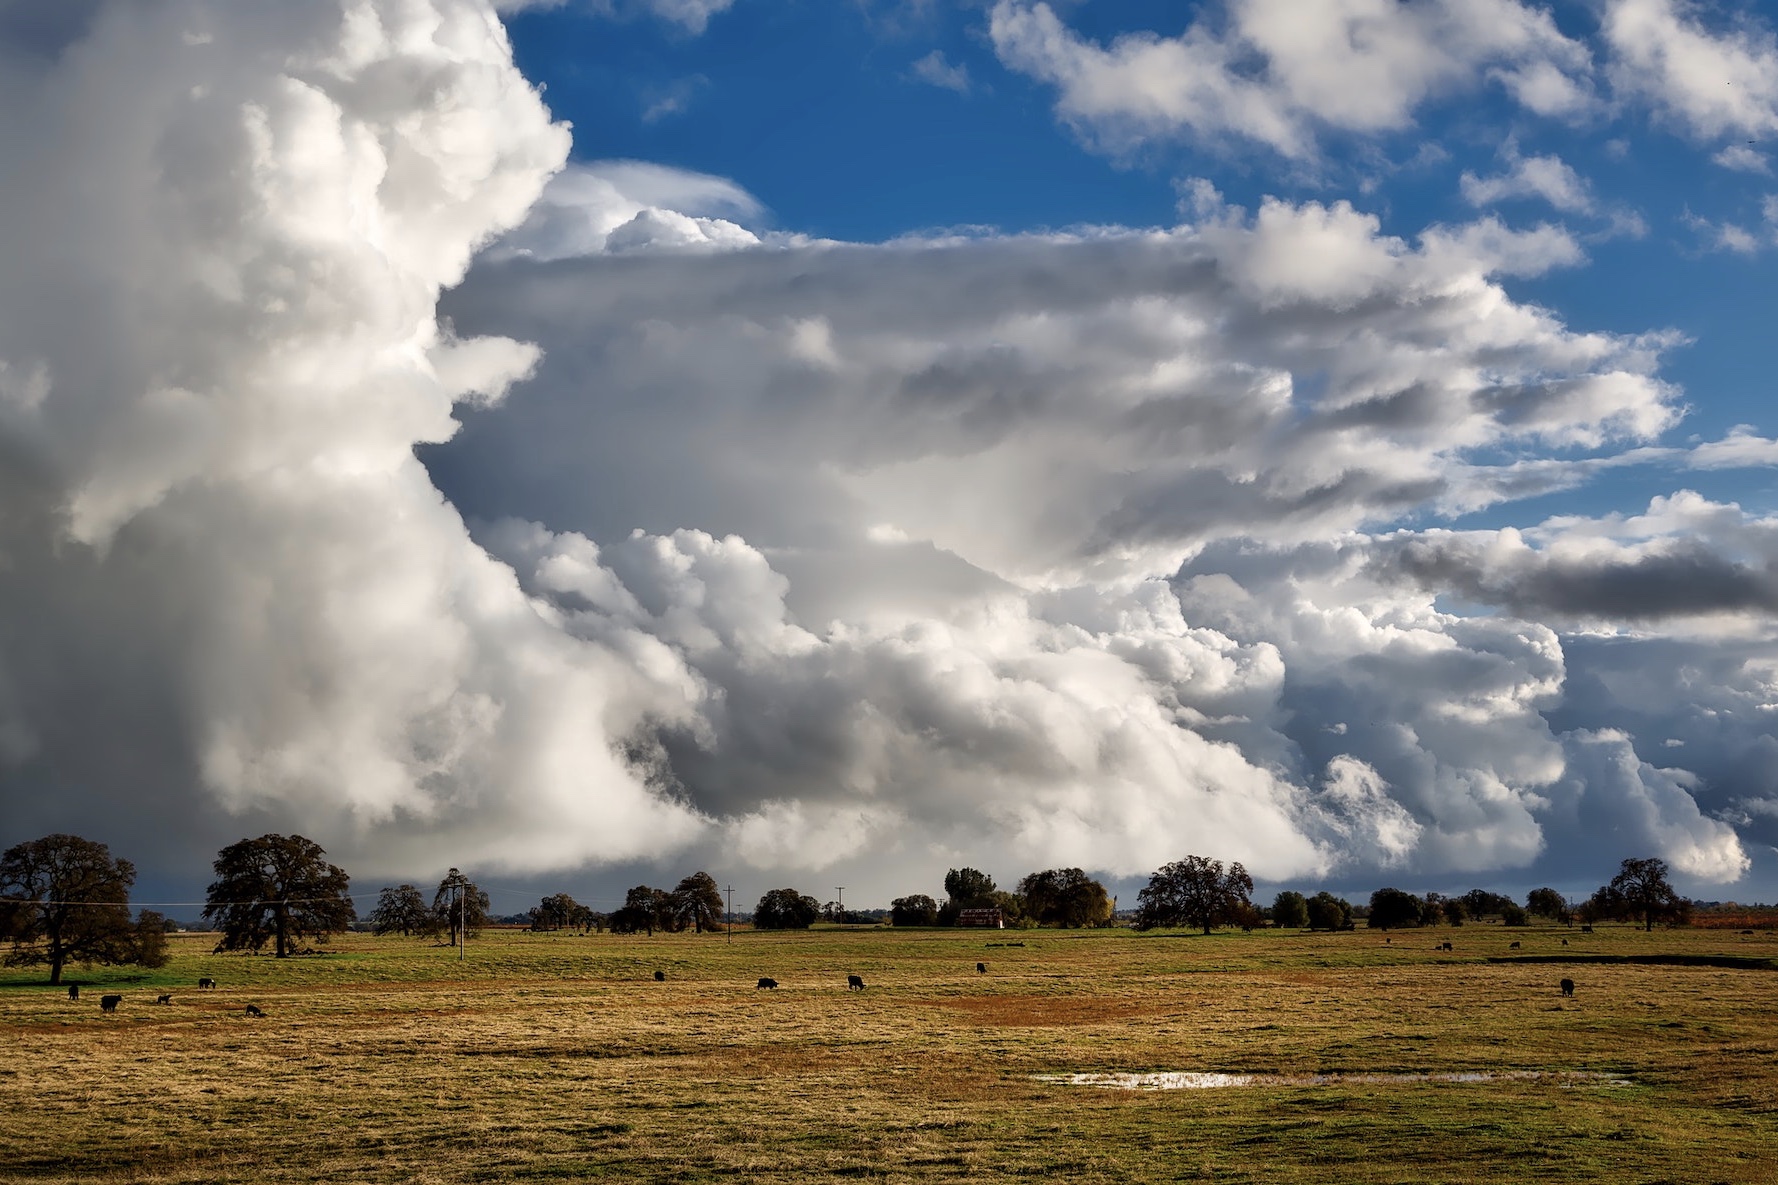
{"x": 55, "y": 968}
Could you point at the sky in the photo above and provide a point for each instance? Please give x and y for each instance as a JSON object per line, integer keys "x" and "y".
{"x": 828, "y": 442}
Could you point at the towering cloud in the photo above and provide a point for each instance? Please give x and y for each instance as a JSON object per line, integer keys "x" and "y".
{"x": 230, "y": 583}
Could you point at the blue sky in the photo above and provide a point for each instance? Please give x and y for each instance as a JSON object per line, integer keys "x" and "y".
{"x": 866, "y": 121}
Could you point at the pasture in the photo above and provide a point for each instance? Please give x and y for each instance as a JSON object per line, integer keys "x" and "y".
{"x": 561, "y": 1058}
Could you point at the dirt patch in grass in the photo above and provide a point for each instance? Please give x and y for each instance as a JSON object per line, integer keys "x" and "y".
{"x": 1029, "y": 1011}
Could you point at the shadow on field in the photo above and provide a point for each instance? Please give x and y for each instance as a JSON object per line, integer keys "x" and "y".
{"x": 1736, "y": 962}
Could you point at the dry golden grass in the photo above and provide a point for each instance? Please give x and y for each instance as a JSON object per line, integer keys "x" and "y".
{"x": 559, "y": 1058}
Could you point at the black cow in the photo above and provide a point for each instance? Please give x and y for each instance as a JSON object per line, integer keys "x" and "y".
{"x": 767, "y": 982}
{"x": 1567, "y": 987}
{"x": 981, "y": 968}
{"x": 253, "y": 1010}
{"x": 74, "y": 991}
{"x": 1514, "y": 946}
{"x": 164, "y": 998}
{"x": 109, "y": 1003}
{"x": 206, "y": 982}
{"x": 660, "y": 976}
{"x": 854, "y": 981}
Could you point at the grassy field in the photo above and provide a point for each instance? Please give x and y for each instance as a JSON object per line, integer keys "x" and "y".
{"x": 558, "y": 1058}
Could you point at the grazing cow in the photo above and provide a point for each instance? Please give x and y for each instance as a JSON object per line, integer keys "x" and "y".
{"x": 206, "y": 982}
{"x": 854, "y": 981}
{"x": 74, "y": 991}
{"x": 660, "y": 976}
{"x": 1448, "y": 946}
{"x": 981, "y": 968}
{"x": 1564, "y": 942}
{"x": 1514, "y": 946}
{"x": 164, "y": 998}
{"x": 1586, "y": 929}
{"x": 1567, "y": 987}
{"x": 767, "y": 982}
{"x": 109, "y": 1003}
{"x": 253, "y": 1010}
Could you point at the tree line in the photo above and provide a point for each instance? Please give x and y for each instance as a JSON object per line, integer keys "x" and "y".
{"x": 66, "y": 899}
{"x": 1203, "y": 893}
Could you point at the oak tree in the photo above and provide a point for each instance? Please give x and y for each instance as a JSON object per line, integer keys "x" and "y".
{"x": 402, "y": 910}
{"x": 1195, "y": 891}
{"x": 277, "y": 889}
{"x": 459, "y": 908}
{"x": 785, "y": 909}
{"x": 697, "y": 902}
{"x": 1064, "y": 897}
{"x": 66, "y": 899}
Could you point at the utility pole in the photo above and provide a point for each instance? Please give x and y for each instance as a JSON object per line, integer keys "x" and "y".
{"x": 731, "y": 915}
{"x": 841, "y": 890}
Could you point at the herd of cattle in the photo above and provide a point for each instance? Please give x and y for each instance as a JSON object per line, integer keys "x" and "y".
{"x": 109, "y": 1003}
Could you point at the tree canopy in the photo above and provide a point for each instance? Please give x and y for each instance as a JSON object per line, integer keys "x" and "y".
{"x": 459, "y": 908}
{"x": 66, "y": 899}
{"x": 1290, "y": 910}
{"x": 1641, "y": 890}
{"x": 277, "y": 888}
{"x": 1327, "y": 912}
{"x": 1064, "y": 897}
{"x": 914, "y": 910}
{"x": 697, "y": 902}
{"x": 785, "y": 909}
{"x": 1195, "y": 891}
{"x": 1393, "y": 908}
{"x": 644, "y": 908}
{"x": 1548, "y": 903}
{"x": 401, "y": 910}
{"x": 559, "y": 911}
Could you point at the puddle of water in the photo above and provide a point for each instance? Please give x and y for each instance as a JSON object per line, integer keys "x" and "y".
{"x": 1189, "y": 1080}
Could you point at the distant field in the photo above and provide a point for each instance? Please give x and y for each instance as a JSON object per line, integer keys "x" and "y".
{"x": 559, "y": 1058}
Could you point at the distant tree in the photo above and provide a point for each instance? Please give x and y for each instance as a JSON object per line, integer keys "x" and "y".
{"x": 1480, "y": 903}
{"x": 151, "y": 940}
{"x": 1601, "y": 905}
{"x": 1547, "y": 903}
{"x": 1010, "y": 905}
{"x": 965, "y": 888}
{"x": 459, "y": 908}
{"x": 1290, "y": 910}
{"x": 785, "y": 909}
{"x": 643, "y": 909}
{"x": 1641, "y": 889}
{"x": 697, "y": 902}
{"x": 1432, "y": 909}
{"x": 65, "y": 899}
{"x": 1454, "y": 912}
{"x": 1195, "y": 891}
{"x": 1512, "y": 915}
{"x": 277, "y": 888}
{"x": 1392, "y": 909}
{"x": 1247, "y": 915}
{"x": 915, "y": 910}
{"x": 1327, "y": 912}
{"x": 559, "y": 911}
{"x": 1065, "y": 897}
{"x": 401, "y": 910}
